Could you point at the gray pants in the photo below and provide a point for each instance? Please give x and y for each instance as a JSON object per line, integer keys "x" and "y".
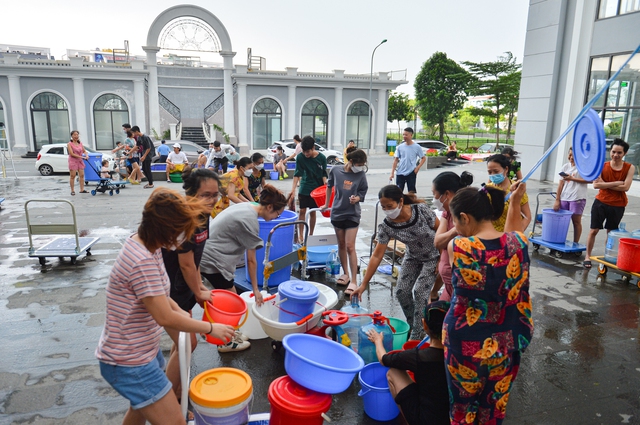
{"x": 415, "y": 277}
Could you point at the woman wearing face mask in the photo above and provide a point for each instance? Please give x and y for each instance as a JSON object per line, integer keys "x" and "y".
{"x": 413, "y": 223}
{"x": 498, "y": 168}
{"x": 232, "y": 184}
{"x": 444, "y": 187}
{"x": 256, "y": 180}
{"x": 350, "y": 183}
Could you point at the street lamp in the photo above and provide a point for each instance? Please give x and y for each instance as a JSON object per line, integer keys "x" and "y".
{"x": 370, "y": 86}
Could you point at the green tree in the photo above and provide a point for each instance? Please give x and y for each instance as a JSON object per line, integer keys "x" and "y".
{"x": 440, "y": 90}
{"x": 400, "y": 108}
{"x": 467, "y": 119}
{"x": 501, "y": 81}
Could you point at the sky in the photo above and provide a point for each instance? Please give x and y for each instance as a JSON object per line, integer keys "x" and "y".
{"x": 317, "y": 36}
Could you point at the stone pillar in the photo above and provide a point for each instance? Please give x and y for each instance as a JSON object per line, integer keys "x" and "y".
{"x": 212, "y": 134}
{"x": 243, "y": 146}
{"x": 138, "y": 107}
{"x": 336, "y": 140}
{"x": 154, "y": 102}
{"x": 380, "y": 135}
{"x": 17, "y": 117}
{"x": 291, "y": 114}
{"x": 173, "y": 131}
{"x": 229, "y": 121}
{"x": 81, "y": 112}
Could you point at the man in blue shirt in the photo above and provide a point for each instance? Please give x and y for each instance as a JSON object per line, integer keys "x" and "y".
{"x": 404, "y": 163}
{"x": 163, "y": 150}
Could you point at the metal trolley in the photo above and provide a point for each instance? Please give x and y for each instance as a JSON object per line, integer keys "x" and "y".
{"x": 64, "y": 246}
{"x": 390, "y": 259}
{"x": 293, "y": 257}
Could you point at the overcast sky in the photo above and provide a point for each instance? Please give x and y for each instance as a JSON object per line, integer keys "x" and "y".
{"x": 310, "y": 35}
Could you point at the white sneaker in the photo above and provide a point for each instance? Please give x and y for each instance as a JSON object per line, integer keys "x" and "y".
{"x": 236, "y": 344}
{"x": 241, "y": 336}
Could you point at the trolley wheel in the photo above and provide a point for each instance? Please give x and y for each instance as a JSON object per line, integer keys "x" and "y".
{"x": 602, "y": 269}
{"x": 394, "y": 272}
{"x": 625, "y": 279}
{"x": 558, "y": 254}
{"x": 536, "y": 246}
{"x": 638, "y": 283}
{"x": 93, "y": 192}
{"x": 578, "y": 254}
{"x": 42, "y": 261}
{"x": 111, "y": 193}
{"x": 117, "y": 191}
{"x": 73, "y": 260}
{"x": 89, "y": 252}
{"x": 276, "y": 345}
{"x": 61, "y": 258}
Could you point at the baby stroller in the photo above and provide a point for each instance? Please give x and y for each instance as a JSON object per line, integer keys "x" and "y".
{"x": 106, "y": 184}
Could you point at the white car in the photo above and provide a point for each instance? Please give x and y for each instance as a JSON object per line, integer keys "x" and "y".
{"x": 53, "y": 158}
{"x": 289, "y": 146}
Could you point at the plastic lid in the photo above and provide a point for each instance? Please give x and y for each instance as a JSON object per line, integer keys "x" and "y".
{"x": 298, "y": 290}
{"x": 220, "y": 388}
{"x": 589, "y": 145}
{"x": 295, "y": 398}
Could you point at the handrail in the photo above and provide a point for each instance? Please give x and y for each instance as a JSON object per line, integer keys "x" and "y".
{"x": 217, "y": 104}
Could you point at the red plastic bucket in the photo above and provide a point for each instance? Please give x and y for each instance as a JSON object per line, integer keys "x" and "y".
{"x": 319, "y": 195}
{"x": 293, "y": 404}
{"x": 629, "y": 255}
{"x": 225, "y": 307}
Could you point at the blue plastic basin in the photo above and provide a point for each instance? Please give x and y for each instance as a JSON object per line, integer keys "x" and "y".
{"x": 319, "y": 254}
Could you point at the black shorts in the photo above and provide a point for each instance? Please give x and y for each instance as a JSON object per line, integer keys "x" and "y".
{"x": 601, "y": 212}
{"x": 409, "y": 401}
{"x": 218, "y": 281}
{"x": 306, "y": 201}
{"x": 183, "y": 296}
{"x": 136, "y": 160}
{"x": 344, "y": 224}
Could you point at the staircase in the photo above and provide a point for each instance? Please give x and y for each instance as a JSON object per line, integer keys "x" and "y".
{"x": 195, "y": 135}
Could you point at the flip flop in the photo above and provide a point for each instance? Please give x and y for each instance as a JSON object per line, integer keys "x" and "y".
{"x": 352, "y": 287}
{"x": 146, "y": 186}
{"x": 343, "y": 280}
{"x": 586, "y": 264}
{"x": 73, "y": 193}
{"x": 83, "y": 191}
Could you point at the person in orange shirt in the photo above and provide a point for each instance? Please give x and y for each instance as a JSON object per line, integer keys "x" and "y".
{"x": 611, "y": 200}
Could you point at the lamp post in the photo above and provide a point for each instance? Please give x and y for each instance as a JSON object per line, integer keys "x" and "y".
{"x": 370, "y": 86}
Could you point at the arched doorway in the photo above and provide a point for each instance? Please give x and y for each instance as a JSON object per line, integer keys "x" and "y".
{"x": 315, "y": 118}
{"x": 358, "y": 124}
{"x": 50, "y": 119}
{"x": 109, "y": 113}
{"x": 267, "y": 123}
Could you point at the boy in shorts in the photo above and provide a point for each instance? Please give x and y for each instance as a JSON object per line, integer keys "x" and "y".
{"x": 571, "y": 195}
{"x": 611, "y": 200}
{"x": 311, "y": 172}
{"x": 425, "y": 401}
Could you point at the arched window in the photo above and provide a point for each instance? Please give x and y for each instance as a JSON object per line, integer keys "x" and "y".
{"x": 315, "y": 118}
{"x": 50, "y": 120}
{"x": 267, "y": 123}
{"x": 358, "y": 124}
{"x": 109, "y": 112}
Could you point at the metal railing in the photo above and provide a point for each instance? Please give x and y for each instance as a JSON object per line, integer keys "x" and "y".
{"x": 217, "y": 104}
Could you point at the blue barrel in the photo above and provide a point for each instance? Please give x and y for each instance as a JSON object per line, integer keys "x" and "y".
{"x": 300, "y": 301}
{"x": 555, "y": 225}
{"x": 282, "y": 244}
{"x": 91, "y": 165}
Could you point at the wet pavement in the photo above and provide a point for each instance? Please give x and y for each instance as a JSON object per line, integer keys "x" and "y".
{"x": 583, "y": 365}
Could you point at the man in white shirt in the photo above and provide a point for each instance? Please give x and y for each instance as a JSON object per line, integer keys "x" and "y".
{"x": 218, "y": 156}
{"x": 176, "y": 161}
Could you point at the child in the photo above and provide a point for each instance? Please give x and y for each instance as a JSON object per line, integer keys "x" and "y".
{"x": 425, "y": 401}
{"x": 572, "y": 194}
{"x": 280, "y": 163}
{"x": 104, "y": 171}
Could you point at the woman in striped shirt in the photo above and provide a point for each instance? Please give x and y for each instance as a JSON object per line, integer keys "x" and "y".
{"x": 139, "y": 306}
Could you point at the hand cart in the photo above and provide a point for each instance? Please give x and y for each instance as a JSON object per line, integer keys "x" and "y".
{"x": 61, "y": 247}
{"x": 105, "y": 184}
{"x": 604, "y": 266}
{"x": 317, "y": 240}
{"x": 556, "y": 249}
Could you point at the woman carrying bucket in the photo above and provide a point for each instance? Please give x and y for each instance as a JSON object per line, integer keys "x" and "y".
{"x": 350, "y": 183}
{"x": 232, "y": 232}
{"x": 425, "y": 401}
{"x": 489, "y": 324}
{"x": 138, "y": 306}
{"x": 413, "y": 223}
{"x": 498, "y": 168}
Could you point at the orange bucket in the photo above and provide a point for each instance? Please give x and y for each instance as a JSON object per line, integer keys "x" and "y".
{"x": 225, "y": 307}
{"x": 629, "y": 255}
{"x": 319, "y": 195}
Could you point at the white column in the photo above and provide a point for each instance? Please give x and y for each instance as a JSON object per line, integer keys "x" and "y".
{"x": 242, "y": 119}
{"x": 81, "y": 112}
{"x": 17, "y": 117}
{"x": 138, "y": 107}
{"x": 336, "y": 140}
{"x": 292, "y": 113}
{"x": 229, "y": 121}
{"x": 380, "y": 122}
{"x": 173, "y": 131}
{"x": 154, "y": 102}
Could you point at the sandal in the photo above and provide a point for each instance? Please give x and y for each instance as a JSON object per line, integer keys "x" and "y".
{"x": 83, "y": 191}
{"x": 343, "y": 280}
{"x": 586, "y": 264}
{"x": 73, "y": 193}
{"x": 350, "y": 289}
{"x": 146, "y": 186}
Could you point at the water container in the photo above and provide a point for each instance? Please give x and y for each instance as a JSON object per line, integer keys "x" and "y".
{"x": 635, "y": 234}
{"x": 332, "y": 267}
{"x": 378, "y": 401}
{"x": 291, "y": 403}
{"x": 366, "y": 348}
{"x": 613, "y": 239}
{"x": 92, "y": 167}
{"x": 221, "y": 396}
{"x": 355, "y": 322}
{"x": 300, "y": 298}
{"x": 629, "y": 255}
{"x": 555, "y": 225}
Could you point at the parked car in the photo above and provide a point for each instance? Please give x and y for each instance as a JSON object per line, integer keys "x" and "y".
{"x": 431, "y": 146}
{"x": 491, "y": 147}
{"x": 54, "y": 158}
{"x": 191, "y": 149}
{"x": 289, "y": 146}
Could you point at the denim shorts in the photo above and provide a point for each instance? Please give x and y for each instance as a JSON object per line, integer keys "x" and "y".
{"x": 141, "y": 385}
